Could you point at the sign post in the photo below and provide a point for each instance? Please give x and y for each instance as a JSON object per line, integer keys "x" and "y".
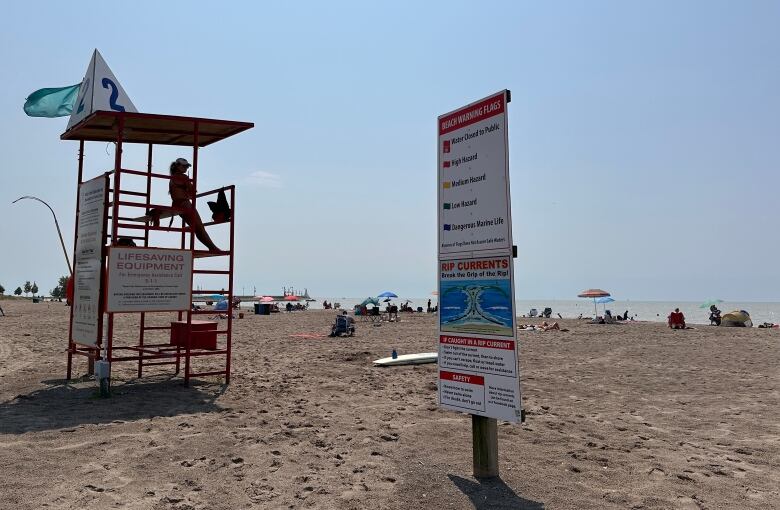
{"x": 478, "y": 357}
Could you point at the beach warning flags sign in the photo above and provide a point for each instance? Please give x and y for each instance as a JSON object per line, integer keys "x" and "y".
{"x": 99, "y": 91}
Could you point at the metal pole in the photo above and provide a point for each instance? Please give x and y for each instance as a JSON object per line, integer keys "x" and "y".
{"x": 56, "y": 224}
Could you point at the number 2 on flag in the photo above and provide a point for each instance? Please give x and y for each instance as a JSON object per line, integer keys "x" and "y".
{"x": 83, "y": 97}
{"x": 107, "y": 83}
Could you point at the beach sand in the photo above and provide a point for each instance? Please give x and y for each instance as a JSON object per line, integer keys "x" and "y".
{"x": 627, "y": 416}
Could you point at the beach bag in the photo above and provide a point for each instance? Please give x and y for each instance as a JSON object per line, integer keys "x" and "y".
{"x": 220, "y": 210}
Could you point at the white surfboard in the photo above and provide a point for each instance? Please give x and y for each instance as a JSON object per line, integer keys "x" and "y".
{"x": 408, "y": 359}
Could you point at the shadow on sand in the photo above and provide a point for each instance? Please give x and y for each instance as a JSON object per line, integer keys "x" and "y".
{"x": 492, "y": 494}
{"x": 62, "y": 406}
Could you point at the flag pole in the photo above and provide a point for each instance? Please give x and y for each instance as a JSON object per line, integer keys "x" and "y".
{"x": 56, "y": 224}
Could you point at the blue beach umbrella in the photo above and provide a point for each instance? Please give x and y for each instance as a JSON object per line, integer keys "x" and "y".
{"x": 710, "y": 302}
{"x": 388, "y": 294}
{"x": 604, "y": 301}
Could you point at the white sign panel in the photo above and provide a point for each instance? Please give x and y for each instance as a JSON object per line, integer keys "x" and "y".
{"x": 474, "y": 178}
{"x": 100, "y": 90}
{"x": 88, "y": 268}
{"x": 149, "y": 280}
{"x": 478, "y": 352}
{"x": 477, "y": 342}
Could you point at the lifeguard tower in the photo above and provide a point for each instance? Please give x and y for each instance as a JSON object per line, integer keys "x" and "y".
{"x": 123, "y": 279}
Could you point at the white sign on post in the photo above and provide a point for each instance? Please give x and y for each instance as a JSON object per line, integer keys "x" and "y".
{"x": 474, "y": 178}
{"x": 100, "y": 90}
{"x": 149, "y": 280}
{"x": 88, "y": 267}
{"x": 478, "y": 362}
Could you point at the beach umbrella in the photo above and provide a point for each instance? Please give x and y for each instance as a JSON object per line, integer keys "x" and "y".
{"x": 266, "y": 299}
{"x": 216, "y": 297}
{"x": 604, "y": 300}
{"x": 388, "y": 294}
{"x": 594, "y": 294}
{"x": 291, "y": 298}
{"x": 710, "y": 302}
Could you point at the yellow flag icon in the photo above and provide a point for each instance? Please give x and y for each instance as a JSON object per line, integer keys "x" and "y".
{"x": 446, "y": 185}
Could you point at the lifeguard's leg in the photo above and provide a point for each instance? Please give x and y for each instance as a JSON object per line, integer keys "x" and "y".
{"x": 193, "y": 219}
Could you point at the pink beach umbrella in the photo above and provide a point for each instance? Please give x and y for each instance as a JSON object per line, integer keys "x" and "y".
{"x": 594, "y": 293}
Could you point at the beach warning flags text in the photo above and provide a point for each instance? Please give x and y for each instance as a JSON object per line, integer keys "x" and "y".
{"x": 99, "y": 91}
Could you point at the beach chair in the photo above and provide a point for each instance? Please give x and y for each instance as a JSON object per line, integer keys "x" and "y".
{"x": 547, "y": 312}
{"x": 392, "y": 313}
{"x": 342, "y": 327}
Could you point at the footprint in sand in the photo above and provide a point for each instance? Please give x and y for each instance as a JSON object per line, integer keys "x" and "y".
{"x": 259, "y": 493}
{"x": 657, "y": 473}
{"x": 686, "y": 503}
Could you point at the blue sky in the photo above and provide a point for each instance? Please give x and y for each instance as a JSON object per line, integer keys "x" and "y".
{"x": 643, "y": 136}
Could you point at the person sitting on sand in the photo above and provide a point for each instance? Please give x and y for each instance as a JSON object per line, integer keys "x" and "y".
{"x": 344, "y": 325}
{"x": 182, "y": 190}
{"x": 676, "y": 319}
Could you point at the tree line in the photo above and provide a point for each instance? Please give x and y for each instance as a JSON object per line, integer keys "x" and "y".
{"x": 27, "y": 288}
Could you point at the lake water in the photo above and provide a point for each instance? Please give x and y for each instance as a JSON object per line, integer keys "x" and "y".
{"x": 643, "y": 310}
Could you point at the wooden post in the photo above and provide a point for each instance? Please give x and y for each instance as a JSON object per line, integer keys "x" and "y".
{"x": 484, "y": 436}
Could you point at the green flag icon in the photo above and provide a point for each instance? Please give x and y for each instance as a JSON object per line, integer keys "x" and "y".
{"x": 56, "y": 102}
{"x": 447, "y": 205}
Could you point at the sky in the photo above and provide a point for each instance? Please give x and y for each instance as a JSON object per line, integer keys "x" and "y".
{"x": 643, "y": 136}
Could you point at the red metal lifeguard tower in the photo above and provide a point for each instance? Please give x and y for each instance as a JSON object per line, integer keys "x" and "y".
{"x": 124, "y": 213}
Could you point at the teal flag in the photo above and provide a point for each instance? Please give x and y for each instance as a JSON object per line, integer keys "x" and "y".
{"x": 56, "y": 102}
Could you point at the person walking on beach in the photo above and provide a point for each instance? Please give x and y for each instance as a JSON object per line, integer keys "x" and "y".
{"x": 181, "y": 190}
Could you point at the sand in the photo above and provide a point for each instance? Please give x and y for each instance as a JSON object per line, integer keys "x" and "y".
{"x": 631, "y": 416}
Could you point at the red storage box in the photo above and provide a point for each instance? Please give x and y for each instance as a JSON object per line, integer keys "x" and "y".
{"x": 204, "y": 334}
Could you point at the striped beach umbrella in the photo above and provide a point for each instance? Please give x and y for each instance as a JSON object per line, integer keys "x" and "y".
{"x": 594, "y": 294}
